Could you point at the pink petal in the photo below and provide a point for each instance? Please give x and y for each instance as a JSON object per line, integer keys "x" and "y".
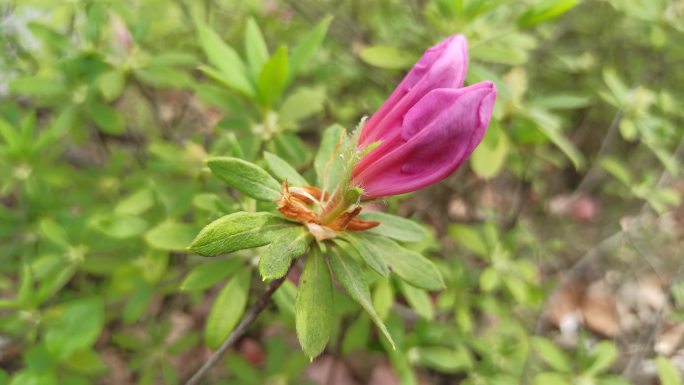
{"x": 441, "y": 66}
{"x": 436, "y": 136}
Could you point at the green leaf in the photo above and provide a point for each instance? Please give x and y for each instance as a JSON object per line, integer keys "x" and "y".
{"x": 307, "y": 47}
{"x": 273, "y": 77}
{"x": 288, "y": 245}
{"x": 327, "y": 163}
{"x": 283, "y": 171}
{"x": 301, "y": 104}
{"x": 289, "y": 146}
{"x": 227, "y": 309}
{"x": 387, "y": 57}
{"x": 418, "y": 299}
{"x": 255, "y": 47}
{"x": 238, "y": 231}
{"x": 136, "y": 203}
{"x": 245, "y": 177}
{"x": 37, "y": 86}
{"x": 490, "y": 156}
{"x": 9, "y": 134}
{"x": 393, "y": 226}
{"x": 231, "y": 69}
{"x": 207, "y": 274}
{"x": 73, "y": 325}
{"x": 546, "y": 378}
{"x": 172, "y": 236}
{"x": 407, "y": 264}
{"x": 552, "y": 355}
{"x": 164, "y": 76}
{"x": 668, "y": 372}
{"x": 603, "y": 355}
{"x": 549, "y": 125}
{"x": 544, "y": 11}
{"x": 446, "y": 360}
{"x": 111, "y": 84}
{"x": 121, "y": 226}
{"x": 366, "y": 251}
{"x": 383, "y": 298}
{"x": 106, "y": 118}
{"x": 314, "y": 306}
{"x": 350, "y": 275}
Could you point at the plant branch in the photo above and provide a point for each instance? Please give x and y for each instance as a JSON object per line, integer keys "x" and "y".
{"x": 242, "y": 327}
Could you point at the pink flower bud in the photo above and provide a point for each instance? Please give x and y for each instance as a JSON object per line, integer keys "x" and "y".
{"x": 428, "y": 127}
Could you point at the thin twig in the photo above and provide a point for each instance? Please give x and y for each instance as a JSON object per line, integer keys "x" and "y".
{"x": 246, "y": 321}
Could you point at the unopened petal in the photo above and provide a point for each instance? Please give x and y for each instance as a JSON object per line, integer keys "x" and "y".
{"x": 437, "y": 135}
{"x": 442, "y": 66}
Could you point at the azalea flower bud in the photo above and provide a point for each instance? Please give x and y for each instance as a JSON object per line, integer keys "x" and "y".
{"x": 428, "y": 127}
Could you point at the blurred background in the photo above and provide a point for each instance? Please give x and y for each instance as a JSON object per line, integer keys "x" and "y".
{"x": 561, "y": 240}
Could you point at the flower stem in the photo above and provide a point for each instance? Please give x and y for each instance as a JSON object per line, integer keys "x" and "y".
{"x": 242, "y": 327}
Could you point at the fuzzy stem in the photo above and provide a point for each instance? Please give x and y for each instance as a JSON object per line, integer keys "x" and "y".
{"x": 242, "y": 327}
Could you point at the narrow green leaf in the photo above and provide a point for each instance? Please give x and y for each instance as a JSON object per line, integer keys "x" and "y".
{"x": 9, "y": 134}
{"x": 314, "y": 306}
{"x": 255, "y": 47}
{"x": 544, "y": 11}
{"x": 395, "y": 227}
{"x": 283, "y": 171}
{"x": 171, "y": 236}
{"x": 407, "y": 264}
{"x": 289, "y": 244}
{"x": 225, "y": 59}
{"x": 327, "y": 164}
{"x": 107, "y": 118}
{"x": 299, "y": 105}
{"x": 207, "y": 274}
{"x": 366, "y": 250}
{"x": 273, "y": 77}
{"x": 603, "y": 355}
{"x": 489, "y": 158}
{"x": 227, "y": 309}
{"x": 383, "y": 298}
{"x": 307, "y": 47}
{"x": 350, "y": 275}
{"x": 238, "y": 231}
{"x": 668, "y": 372}
{"x": 291, "y": 148}
{"x": 551, "y": 354}
{"x": 387, "y": 57}
{"x": 245, "y": 177}
{"x": 443, "y": 359}
{"x": 112, "y": 84}
{"x": 418, "y": 299}
{"x": 550, "y": 126}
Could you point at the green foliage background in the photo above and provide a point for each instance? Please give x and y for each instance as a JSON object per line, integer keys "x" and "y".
{"x": 109, "y": 110}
